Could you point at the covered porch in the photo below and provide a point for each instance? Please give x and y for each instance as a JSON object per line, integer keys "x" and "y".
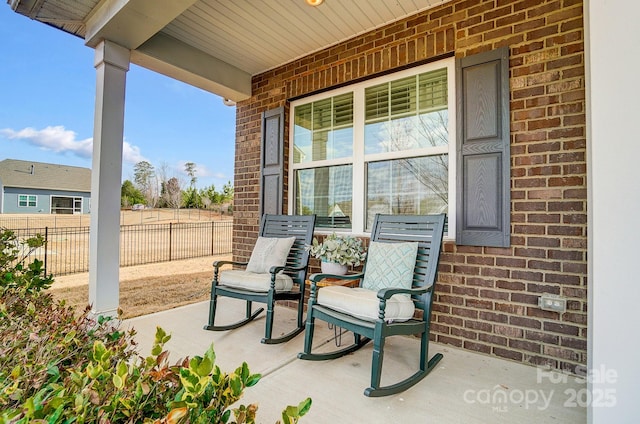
{"x": 572, "y": 215}
{"x": 465, "y": 388}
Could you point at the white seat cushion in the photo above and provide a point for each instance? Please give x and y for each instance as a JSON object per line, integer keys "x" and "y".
{"x": 241, "y": 279}
{"x": 364, "y": 304}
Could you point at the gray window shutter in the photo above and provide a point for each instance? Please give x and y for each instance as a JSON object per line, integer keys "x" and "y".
{"x": 272, "y": 162}
{"x": 483, "y": 157}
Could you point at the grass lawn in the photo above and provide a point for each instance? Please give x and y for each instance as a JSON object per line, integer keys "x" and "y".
{"x": 147, "y": 295}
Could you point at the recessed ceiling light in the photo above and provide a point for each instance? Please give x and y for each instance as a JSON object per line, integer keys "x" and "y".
{"x": 314, "y": 2}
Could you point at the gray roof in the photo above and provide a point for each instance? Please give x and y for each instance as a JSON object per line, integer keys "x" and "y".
{"x": 48, "y": 176}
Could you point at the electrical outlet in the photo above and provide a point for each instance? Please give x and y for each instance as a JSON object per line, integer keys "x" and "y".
{"x": 552, "y": 302}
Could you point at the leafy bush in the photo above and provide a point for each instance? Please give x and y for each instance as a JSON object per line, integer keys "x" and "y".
{"x": 60, "y": 367}
{"x": 13, "y": 273}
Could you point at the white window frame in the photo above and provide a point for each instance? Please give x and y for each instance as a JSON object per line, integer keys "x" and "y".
{"x": 28, "y": 196}
{"x": 73, "y": 208}
{"x": 359, "y": 160}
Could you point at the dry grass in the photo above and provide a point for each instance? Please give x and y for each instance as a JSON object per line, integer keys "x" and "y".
{"x": 146, "y": 289}
{"x": 127, "y": 217}
{"x": 147, "y": 295}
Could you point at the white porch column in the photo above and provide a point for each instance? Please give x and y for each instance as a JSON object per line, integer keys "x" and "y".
{"x": 112, "y": 64}
{"x": 613, "y": 35}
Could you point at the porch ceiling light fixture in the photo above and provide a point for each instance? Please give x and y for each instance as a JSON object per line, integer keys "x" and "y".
{"x": 314, "y": 3}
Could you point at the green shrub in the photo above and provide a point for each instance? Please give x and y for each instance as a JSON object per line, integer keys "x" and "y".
{"x": 57, "y": 366}
{"x": 13, "y": 273}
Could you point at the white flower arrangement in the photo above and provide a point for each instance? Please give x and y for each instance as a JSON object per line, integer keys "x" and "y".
{"x": 341, "y": 249}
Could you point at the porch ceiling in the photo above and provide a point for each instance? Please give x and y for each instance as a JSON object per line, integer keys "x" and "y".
{"x": 217, "y": 45}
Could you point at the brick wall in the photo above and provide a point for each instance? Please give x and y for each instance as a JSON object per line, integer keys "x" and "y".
{"x": 486, "y": 297}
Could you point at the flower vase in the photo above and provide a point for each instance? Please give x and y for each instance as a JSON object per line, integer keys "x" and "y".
{"x": 333, "y": 268}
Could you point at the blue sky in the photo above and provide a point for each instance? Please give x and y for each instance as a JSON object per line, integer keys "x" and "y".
{"x": 47, "y": 95}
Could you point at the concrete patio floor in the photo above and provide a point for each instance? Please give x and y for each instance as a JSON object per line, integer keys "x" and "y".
{"x": 464, "y": 388}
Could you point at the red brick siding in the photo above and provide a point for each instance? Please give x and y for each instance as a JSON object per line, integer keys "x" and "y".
{"x": 486, "y": 297}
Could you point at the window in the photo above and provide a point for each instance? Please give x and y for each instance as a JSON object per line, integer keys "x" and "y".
{"x": 386, "y": 145}
{"x": 27, "y": 200}
{"x": 66, "y": 205}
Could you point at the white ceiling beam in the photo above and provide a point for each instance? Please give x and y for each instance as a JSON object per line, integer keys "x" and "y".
{"x": 173, "y": 58}
{"x": 129, "y": 23}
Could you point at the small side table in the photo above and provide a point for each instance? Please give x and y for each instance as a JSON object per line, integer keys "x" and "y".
{"x": 336, "y": 282}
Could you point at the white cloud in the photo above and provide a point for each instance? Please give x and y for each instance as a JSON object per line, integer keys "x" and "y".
{"x": 60, "y": 140}
{"x": 57, "y": 139}
{"x": 131, "y": 154}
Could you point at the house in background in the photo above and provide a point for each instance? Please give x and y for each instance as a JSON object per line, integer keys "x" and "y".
{"x": 540, "y": 101}
{"x": 36, "y": 187}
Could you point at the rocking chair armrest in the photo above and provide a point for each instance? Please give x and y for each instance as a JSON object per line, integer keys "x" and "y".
{"x": 388, "y": 292}
{"x": 218, "y": 264}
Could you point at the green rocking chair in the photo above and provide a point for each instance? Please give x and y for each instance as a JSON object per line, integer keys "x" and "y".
{"x": 398, "y": 278}
{"x": 277, "y": 270}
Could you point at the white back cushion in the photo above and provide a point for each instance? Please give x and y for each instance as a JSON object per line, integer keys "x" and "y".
{"x": 268, "y": 252}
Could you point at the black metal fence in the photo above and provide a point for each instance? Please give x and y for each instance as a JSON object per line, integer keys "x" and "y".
{"x": 67, "y": 249}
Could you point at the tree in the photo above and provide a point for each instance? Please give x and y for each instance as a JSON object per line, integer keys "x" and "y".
{"x": 170, "y": 187}
{"x": 209, "y": 196}
{"x": 227, "y": 192}
{"x": 191, "y": 198}
{"x": 172, "y": 193}
{"x": 190, "y": 169}
{"x": 146, "y": 182}
{"x": 129, "y": 195}
{"x": 162, "y": 174}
